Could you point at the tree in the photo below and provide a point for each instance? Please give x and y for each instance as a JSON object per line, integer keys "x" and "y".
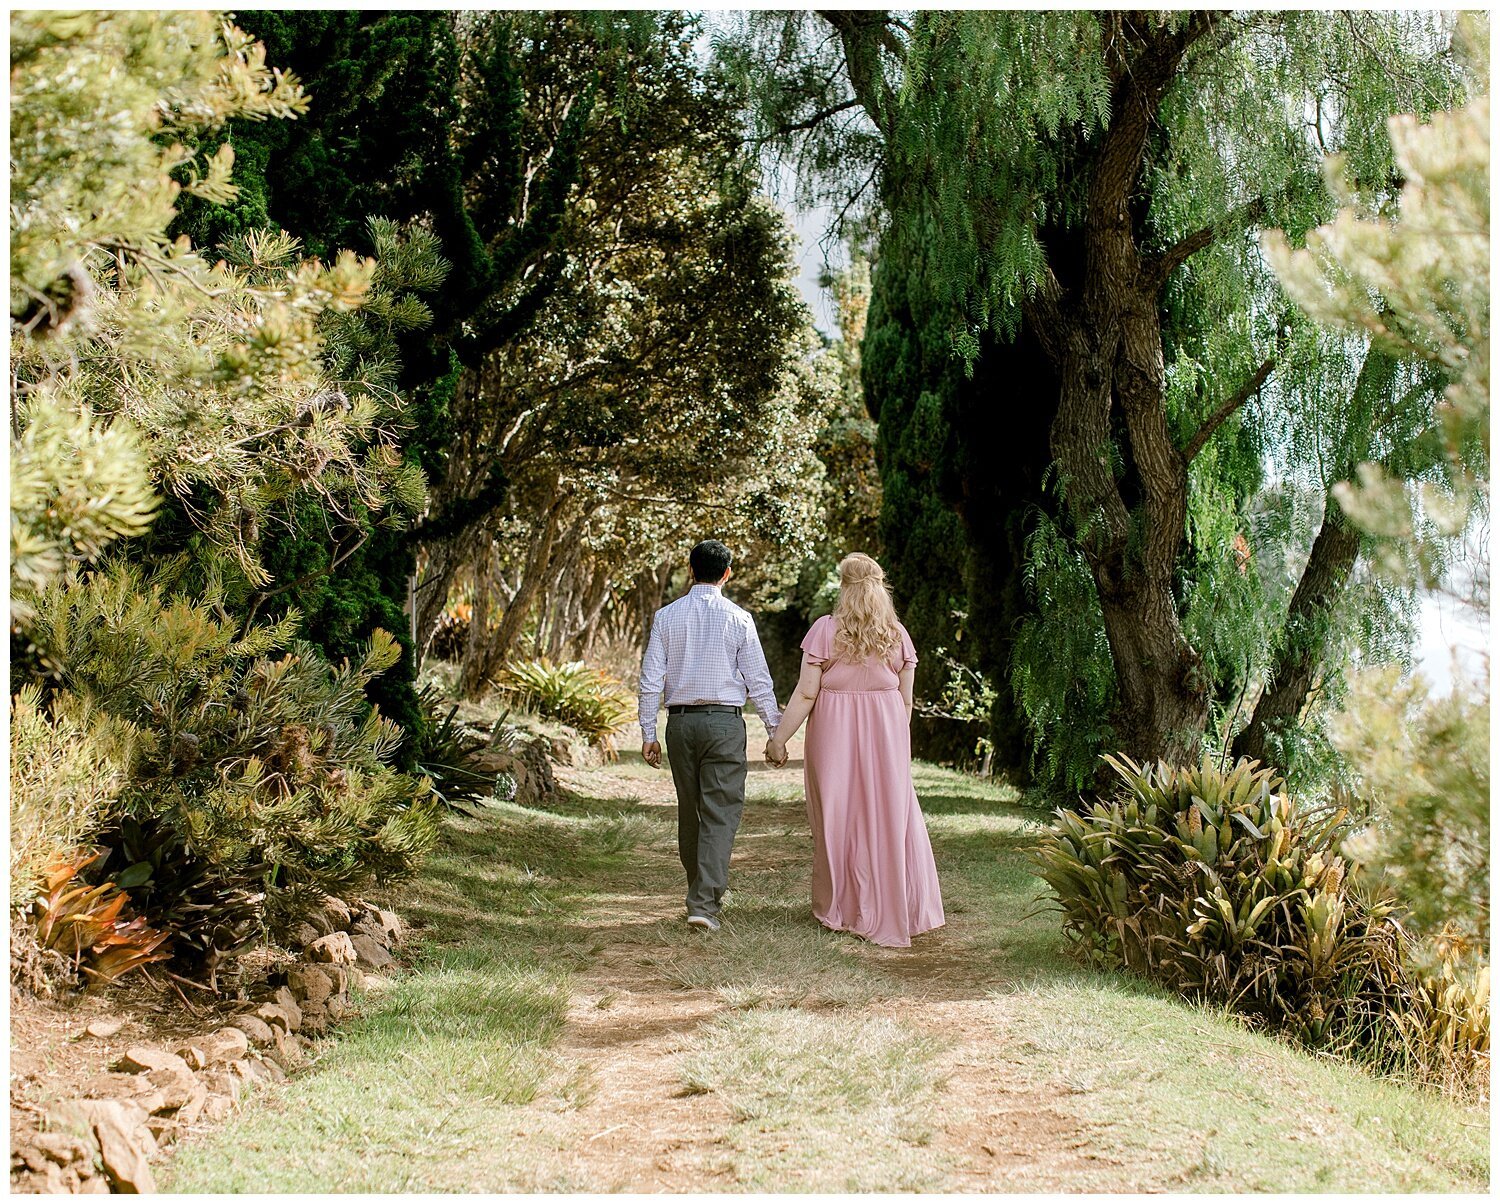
{"x": 1100, "y": 201}
{"x": 1413, "y": 279}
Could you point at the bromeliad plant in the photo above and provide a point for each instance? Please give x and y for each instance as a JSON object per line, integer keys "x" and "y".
{"x": 91, "y": 925}
{"x": 1221, "y": 887}
{"x": 589, "y": 700}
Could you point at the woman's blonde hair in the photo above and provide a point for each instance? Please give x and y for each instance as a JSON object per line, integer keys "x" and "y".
{"x": 864, "y": 620}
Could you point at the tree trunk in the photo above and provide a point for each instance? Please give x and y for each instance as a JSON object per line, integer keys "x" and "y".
{"x": 1334, "y": 554}
{"x": 479, "y": 675}
{"x": 1105, "y": 335}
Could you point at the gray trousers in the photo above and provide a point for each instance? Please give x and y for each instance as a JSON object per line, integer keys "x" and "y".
{"x": 706, "y": 750}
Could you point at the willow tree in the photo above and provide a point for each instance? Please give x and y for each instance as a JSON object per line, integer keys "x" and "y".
{"x": 1090, "y": 184}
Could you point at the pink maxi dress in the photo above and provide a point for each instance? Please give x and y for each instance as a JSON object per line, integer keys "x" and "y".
{"x": 873, "y": 872}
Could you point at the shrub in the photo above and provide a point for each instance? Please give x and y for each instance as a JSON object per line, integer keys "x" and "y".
{"x": 257, "y": 782}
{"x": 450, "y": 749}
{"x": 65, "y": 782}
{"x": 1423, "y": 768}
{"x": 1219, "y": 886}
{"x": 589, "y": 700}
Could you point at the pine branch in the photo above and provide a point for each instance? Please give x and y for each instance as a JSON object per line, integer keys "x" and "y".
{"x": 1239, "y": 398}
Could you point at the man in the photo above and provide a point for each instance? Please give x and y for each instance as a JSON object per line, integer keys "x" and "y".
{"x": 705, "y": 656}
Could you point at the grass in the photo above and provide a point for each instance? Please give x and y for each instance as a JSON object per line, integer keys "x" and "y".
{"x": 830, "y": 1062}
{"x": 805, "y": 1089}
{"x": 421, "y": 1092}
{"x": 1174, "y": 1096}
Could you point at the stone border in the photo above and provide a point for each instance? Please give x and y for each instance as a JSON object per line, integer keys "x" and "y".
{"x": 108, "y": 1138}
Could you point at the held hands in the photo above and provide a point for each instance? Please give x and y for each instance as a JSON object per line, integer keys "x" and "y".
{"x": 776, "y": 754}
{"x": 651, "y": 754}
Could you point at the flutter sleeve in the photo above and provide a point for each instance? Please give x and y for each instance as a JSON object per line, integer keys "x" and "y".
{"x": 818, "y": 642}
{"x": 908, "y": 649}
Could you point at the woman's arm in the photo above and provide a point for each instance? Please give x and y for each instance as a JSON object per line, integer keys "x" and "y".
{"x": 798, "y": 708}
{"x": 908, "y": 681}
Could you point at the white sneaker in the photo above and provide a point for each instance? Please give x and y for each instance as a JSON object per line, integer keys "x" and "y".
{"x": 707, "y": 923}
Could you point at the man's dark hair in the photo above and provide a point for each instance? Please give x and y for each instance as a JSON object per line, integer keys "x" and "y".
{"x": 710, "y": 560}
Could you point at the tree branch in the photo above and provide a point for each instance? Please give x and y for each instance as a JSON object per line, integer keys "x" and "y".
{"x": 808, "y": 123}
{"x": 1215, "y": 420}
{"x": 1159, "y": 268}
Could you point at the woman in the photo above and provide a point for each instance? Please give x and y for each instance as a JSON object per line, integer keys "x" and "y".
{"x": 873, "y": 872}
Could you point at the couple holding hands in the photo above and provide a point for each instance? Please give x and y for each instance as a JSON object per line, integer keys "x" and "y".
{"x": 872, "y": 871}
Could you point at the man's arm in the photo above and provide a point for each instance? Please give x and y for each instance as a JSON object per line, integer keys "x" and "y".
{"x": 757, "y": 675}
{"x": 653, "y": 678}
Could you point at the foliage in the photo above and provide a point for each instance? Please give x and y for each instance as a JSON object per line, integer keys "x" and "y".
{"x": 270, "y": 774}
{"x": 1422, "y": 768}
{"x": 586, "y": 699}
{"x": 90, "y": 924}
{"x": 66, "y": 775}
{"x": 213, "y": 911}
{"x": 667, "y": 387}
{"x": 1223, "y": 888}
{"x": 1002, "y": 245}
{"x": 449, "y": 749}
{"x": 1417, "y": 284}
{"x": 1445, "y": 1033}
{"x": 1061, "y": 670}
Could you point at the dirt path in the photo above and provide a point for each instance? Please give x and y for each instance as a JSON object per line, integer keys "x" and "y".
{"x": 631, "y": 1019}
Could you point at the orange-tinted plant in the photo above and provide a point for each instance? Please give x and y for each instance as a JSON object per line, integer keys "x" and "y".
{"x": 90, "y": 924}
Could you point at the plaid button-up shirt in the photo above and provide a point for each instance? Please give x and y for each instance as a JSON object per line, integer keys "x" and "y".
{"x": 705, "y": 649}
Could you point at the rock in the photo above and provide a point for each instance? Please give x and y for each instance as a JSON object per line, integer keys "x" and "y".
{"x": 303, "y": 934}
{"x": 148, "y": 1057}
{"x": 217, "y": 1108}
{"x": 223, "y": 1046}
{"x": 124, "y": 1144}
{"x": 272, "y": 1070}
{"x": 255, "y": 1028}
{"x": 315, "y": 1023}
{"x": 176, "y": 1087}
{"x": 391, "y": 922}
{"x": 94, "y": 1185}
{"x": 310, "y": 984}
{"x": 273, "y": 1016}
{"x": 63, "y": 1148}
{"x": 116, "y": 1085}
{"x": 221, "y": 1083}
{"x": 338, "y": 913}
{"x": 289, "y": 1053}
{"x": 105, "y": 1027}
{"x": 287, "y": 1002}
{"x": 369, "y": 925}
{"x": 192, "y": 1108}
{"x": 163, "y": 1128}
{"x": 337, "y": 1007}
{"x": 336, "y": 948}
{"x": 371, "y": 953}
{"x": 32, "y": 1158}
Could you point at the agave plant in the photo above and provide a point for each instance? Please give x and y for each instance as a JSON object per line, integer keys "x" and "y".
{"x": 1219, "y": 885}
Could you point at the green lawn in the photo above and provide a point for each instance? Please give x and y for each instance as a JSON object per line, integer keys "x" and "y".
{"x": 813, "y": 1062}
